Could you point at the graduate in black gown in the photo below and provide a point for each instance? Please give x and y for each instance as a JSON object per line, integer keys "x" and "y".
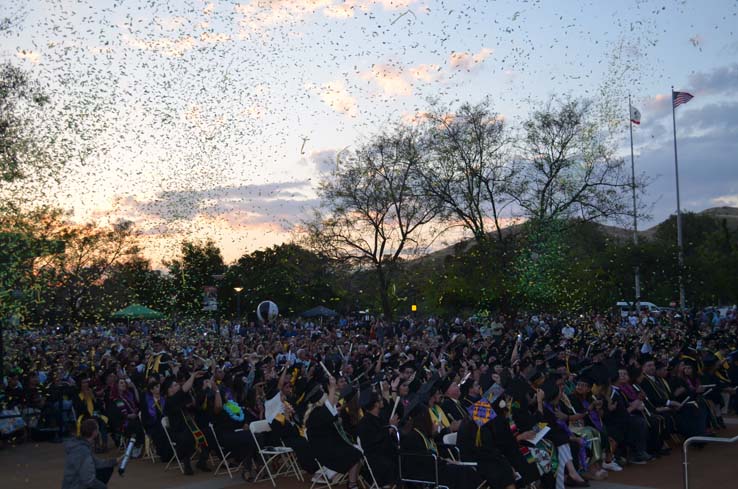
{"x": 476, "y": 442}
{"x": 285, "y": 428}
{"x": 185, "y": 434}
{"x": 418, "y": 447}
{"x": 378, "y": 439}
{"x": 232, "y": 427}
{"x": 329, "y": 443}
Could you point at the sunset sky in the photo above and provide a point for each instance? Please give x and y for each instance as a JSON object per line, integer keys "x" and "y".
{"x": 218, "y": 118}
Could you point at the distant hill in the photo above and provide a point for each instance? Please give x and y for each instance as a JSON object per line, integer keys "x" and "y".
{"x": 729, "y": 214}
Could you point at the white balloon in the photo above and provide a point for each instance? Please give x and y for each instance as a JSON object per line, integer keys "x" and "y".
{"x": 267, "y": 311}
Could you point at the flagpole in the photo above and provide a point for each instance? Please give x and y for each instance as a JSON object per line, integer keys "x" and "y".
{"x": 680, "y": 245}
{"x": 635, "y": 212}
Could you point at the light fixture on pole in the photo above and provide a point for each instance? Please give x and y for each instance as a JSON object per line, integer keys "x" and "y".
{"x": 238, "y": 302}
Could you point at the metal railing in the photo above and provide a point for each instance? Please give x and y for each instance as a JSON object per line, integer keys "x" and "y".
{"x": 699, "y": 439}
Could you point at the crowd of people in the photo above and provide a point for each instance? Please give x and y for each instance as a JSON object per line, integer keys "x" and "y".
{"x": 526, "y": 401}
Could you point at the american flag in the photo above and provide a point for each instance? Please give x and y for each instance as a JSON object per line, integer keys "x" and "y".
{"x": 679, "y": 98}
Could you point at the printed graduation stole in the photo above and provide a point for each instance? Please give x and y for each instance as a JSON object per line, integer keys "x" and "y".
{"x": 199, "y": 436}
{"x": 439, "y": 416}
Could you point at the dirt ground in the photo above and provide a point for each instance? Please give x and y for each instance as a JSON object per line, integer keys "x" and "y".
{"x": 31, "y": 465}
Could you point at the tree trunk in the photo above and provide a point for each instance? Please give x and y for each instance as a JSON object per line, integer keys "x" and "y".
{"x": 384, "y": 293}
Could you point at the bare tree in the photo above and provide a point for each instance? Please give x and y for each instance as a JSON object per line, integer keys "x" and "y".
{"x": 569, "y": 169}
{"x": 374, "y": 212}
{"x": 465, "y": 171}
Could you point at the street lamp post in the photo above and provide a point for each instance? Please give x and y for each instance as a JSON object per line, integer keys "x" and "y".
{"x": 238, "y": 302}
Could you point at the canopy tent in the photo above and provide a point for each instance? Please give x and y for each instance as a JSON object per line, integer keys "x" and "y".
{"x": 320, "y": 311}
{"x": 137, "y": 311}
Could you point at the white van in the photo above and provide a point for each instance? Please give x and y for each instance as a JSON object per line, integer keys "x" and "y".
{"x": 627, "y": 307}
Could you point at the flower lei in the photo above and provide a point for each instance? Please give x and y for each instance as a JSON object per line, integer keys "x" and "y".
{"x": 234, "y": 411}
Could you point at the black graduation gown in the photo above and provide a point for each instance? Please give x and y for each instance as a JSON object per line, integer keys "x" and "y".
{"x": 692, "y": 418}
{"x": 179, "y": 431}
{"x": 522, "y": 414}
{"x": 658, "y": 396}
{"x": 327, "y": 444}
{"x": 284, "y": 431}
{"x": 379, "y": 448}
{"x": 505, "y": 441}
{"x": 233, "y": 438}
{"x": 454, "y": 410}
{"x": 491, "y": 463}
{"x": 422, "y": 468}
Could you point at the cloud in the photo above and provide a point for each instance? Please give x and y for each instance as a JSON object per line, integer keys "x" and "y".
{"x": 726, "y": 200}
{"x": 324, "y": 160}
{"x": 208, "y": 9}
{"x": 177, "y": 47}
{"x": 718, "y": 81}
{"x": 165, "y": 46}
{"x": 258, "y": 15}
{"x": 392, "y": 80}
{"x": 708, "y": 158}
{"x": 243, "y": 204}
{"x": 171, "y": 23}
{"x": 465, "y": 61}
{"x": 336, "y": 96}
{"x": 30, "y": 56}
{"x": 425, "y": 72}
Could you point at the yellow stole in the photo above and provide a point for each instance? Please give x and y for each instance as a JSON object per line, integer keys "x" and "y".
{"x": 430, "y": 445}
{"x": 439, "y": 416}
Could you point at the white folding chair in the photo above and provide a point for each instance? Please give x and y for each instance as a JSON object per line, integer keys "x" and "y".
{"x": 223, "y": 457}
{"x": 371, "y": 484}
{"x": 449, "y": 441}
{"x": 165, "y": 425}
{"x": 326, "y": 477}
{"x": 283, "y": 455}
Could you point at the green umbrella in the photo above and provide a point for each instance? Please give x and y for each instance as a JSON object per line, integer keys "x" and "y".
{"x": 137, "y": 311}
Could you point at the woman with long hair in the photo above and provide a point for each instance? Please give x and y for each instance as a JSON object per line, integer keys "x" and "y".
{"x": 124, "y": 398}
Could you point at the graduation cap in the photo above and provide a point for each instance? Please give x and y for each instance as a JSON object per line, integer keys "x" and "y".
{"x": 585, "y": 378}
{"x": 367, "y": 398}
{"x": 414, "y": 407}
{"x": 689, "y": 361}
{"x": 314, "y": 394}
{"x": 443, "y": 384}
{"x": 167, "y": 384}
{"x": 481, "y": 413}
{"x": 550, "y": 389}
{"x": 347, "y": 393}
{"x": 598, "y": 373}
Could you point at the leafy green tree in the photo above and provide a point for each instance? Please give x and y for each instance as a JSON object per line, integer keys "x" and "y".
{"x": 134, "y": 281}
{"x": 199, "y": 265}
{"x": 294, "y": 278}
